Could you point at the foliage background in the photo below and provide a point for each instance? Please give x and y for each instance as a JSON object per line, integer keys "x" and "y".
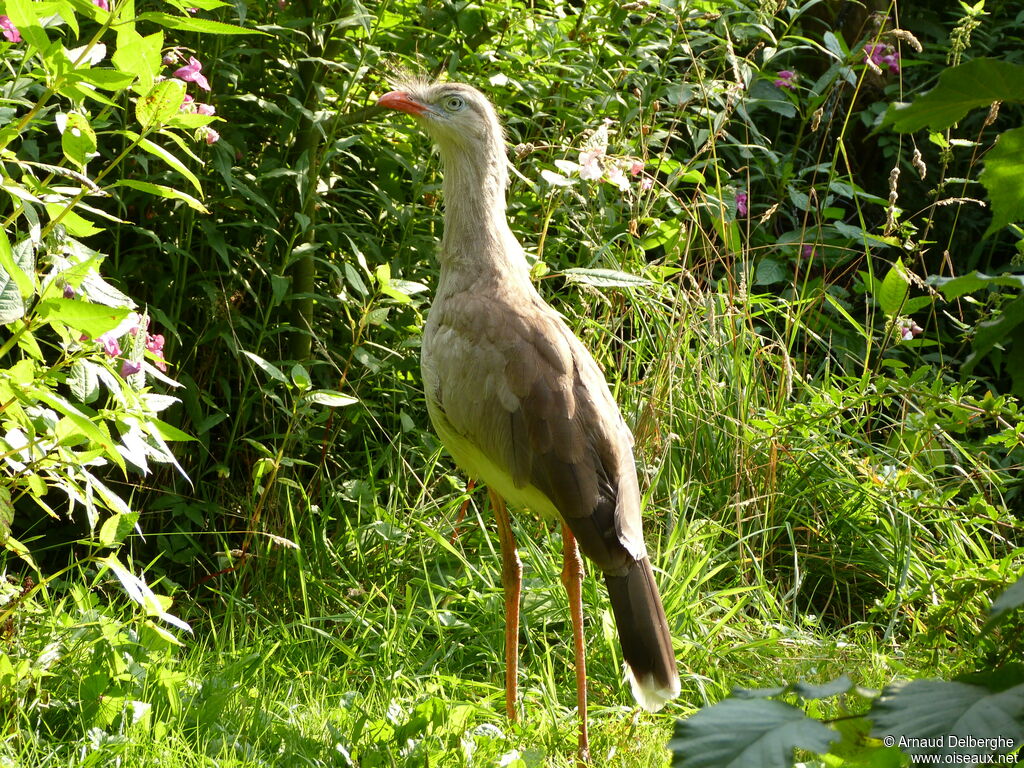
{"x": 828, "y": 488}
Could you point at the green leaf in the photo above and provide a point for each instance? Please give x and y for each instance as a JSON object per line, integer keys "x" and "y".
{"x": 106, "y": 79}
{"x": 895, "y": 289}
{"x": 23, "y": 14}
{"x": 78, "y": 139}
{"x": 268, "y": 368}
{"x": 977, "y": 83}
{"x": 161, "y": 190}
{"x": 994, "y": 331}
{"x": 83, "y": 381}
{"x": 300, "y": 377}
{"x": 741, "y": 733}
{"x": 91, "y": 319}
{"x": 605, "y": 278}
{"x": 1004, "y": 167}
{"x": 18, "y": 263}
{"x": 933, "y": 711}
{"x": 331, "y": 398}
{"x": 157, "y": 151}
{"x": 139, "y": 57}
{"x": 1011, "y": 599}
{"x": 161, "y": 103}
{"x": 13, "y": 281}
{"x": 195, "y": 25}
{"x": 955, "y": 287}
{"x": 85, "y": 427}
{"x": 116, "y": 528}
{"x": 6, "y": 513}
{"x": 140, "y": 592}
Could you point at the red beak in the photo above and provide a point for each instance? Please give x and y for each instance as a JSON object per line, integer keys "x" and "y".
{"x": 401, "y": 101}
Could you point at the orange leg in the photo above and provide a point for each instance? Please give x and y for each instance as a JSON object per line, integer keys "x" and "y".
{"x": 572, "y": 578}
{"x": 512, "y": 581}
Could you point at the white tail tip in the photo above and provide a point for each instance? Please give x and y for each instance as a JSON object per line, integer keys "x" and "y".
{"x": 648, "y": 693}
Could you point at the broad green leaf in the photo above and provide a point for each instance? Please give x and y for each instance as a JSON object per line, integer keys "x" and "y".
{"x": 605, "y": 278}
{"x": 78, "y": 139}
{"x": 268, "y": 368}
{"x": 161, "y": 190}
{"x": 161, "y": 103}
{"x": 195, "y": 25}
{"x": 83, "y": 381}
{"x": 331, "y": 399}
{"x": 747, "y": 733}
{"x": 12, "y": 305}
{"x": 72, "y": 222}
{"x": 994, "y": 331}
{"x": 300, "y": 377}
{"x": 955, "y": 287}
{"x": 1012, "y": 598}
{"x": 934, "y": 711}
{"x": 157, "y": 151}
{"x": 91, "y": 319}
{"x": 6, "y": 513}
{"x": 85, "y": 427}
{"x": 18, "y": 264}
{"x": 976, "y": 83}
{"x": 895, "y": 289}
{"x": 116, "y": 528}
{"x": 106, "y": 79}
{"x": 139, "y": 57}
{"x": 23, "y": 14}
{"x": 1003, "y": 176}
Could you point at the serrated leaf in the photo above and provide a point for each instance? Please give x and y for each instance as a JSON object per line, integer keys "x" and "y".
{"x": 83, "y": 381}
{"x": 931, "y": 712}
{"x": 91, "y": 319}
{"x": 955, "y": 287}
{"x": 157, "y": 151}
{"x": 974, "y": 84}
{"x": 161, "y": 190}
{"x": 1002, "y": 179}
{"x": 841, "y": 684}
{"x": 195, "y": 25}
{"x": 22, "y": 13}
{"x": 6, "y": 513}
{"x": 605, "y": 278}
{"x": 894, "y": 290}
{"x": 739, "y": 733}
{"x": 331, "y": 399}
{"x": 116, "y": 528}
{"x": 161, "y": 103}
{"x": 1012, "y": 598}
{"x": 78, "y": 140}
{"x": 139, "y": 56}
{"x": 17, "y": 265}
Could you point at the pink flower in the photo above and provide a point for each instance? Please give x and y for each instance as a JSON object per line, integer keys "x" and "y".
{"x": 636, "y": 168}
{"x": 646, "y": 183}
{"x": 881, "y": 54}
{"x": 785, "y": 79}
{"x": 741, "y": 203}
{"x": 910, "y": 329}
{"x": 155, "y": 343}
{"x": 193, "y": 73}
{"x": 615, "y": 176}
{"x": 10, "y": 31}
{"x": 110, "y": 345}
{"x": 101, "y": 4}
{"x": 808, "y": 251}
{"x": 590, "y": 165}
{"x": 69, "y": 292}
{"x": 171, "y": 57}
{"x": 130, "y": 368}
{"x": 211, "y": 136}
{"x": 205, "y": 109}
{"x": 188, "y": 104}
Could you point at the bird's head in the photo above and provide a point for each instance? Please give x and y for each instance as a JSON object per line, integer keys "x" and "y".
{"x": 457, "y": 116}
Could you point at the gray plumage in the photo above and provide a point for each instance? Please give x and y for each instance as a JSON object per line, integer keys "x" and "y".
{"x": 513, "y": 394}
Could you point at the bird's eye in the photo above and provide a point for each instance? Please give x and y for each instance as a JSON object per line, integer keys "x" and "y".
{"x": 454, "y": 103}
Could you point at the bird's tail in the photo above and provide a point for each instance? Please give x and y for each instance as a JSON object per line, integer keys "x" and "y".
{"x": 644, "y": 636}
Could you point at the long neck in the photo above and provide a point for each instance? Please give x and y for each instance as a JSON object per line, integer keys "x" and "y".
{"x": 476, "y": 232}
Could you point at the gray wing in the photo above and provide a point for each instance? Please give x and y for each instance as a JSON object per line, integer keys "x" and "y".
{"x": 538, "y": 405}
